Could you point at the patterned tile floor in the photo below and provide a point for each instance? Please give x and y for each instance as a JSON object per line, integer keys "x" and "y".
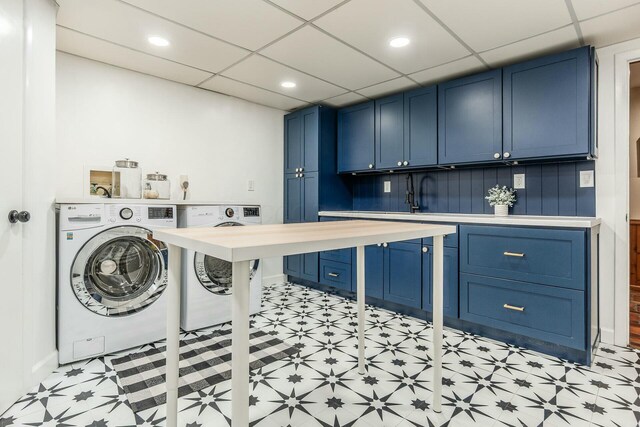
{"x": 486, "y": 383}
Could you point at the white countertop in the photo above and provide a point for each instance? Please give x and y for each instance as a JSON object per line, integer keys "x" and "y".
{"x": 528, "y": 220}
{"x": 79, "y": 201}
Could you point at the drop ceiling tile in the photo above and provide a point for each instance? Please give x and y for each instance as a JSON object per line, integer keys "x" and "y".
{"x": 99, "y": 50}
{"x": 461, "y": 67}
{"x": 385, "y": 88}
{"x": 251, "y": 93}
{"x": 612, "y": 28}
{"x": 369, "y": 25}
{"x": 247, "y": 23}
{"x": 554, "y": 41}
{"x": 307, "y": 9}
{"x": 260, "y": 71}
{"x": 589, "y": 8}
{"x": 489, "y": 24}
{"x": 344, "y": 99}
{"x": 316, "y": 53}
{"x": 128, "y": 26}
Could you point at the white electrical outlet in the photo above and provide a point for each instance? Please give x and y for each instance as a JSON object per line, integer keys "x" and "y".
{"x": 251, "y": 185}
{"x": 518, "y": 181}
{"x": 387, "y": 186}
{"x": 586, "y": 179}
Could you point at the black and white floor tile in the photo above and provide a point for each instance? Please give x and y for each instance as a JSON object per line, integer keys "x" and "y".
{"x": 486, "y": 383}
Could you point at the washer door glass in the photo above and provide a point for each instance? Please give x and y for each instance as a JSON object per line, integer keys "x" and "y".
{"x": 214, "y": 273}
{"x": 120, "y": 271}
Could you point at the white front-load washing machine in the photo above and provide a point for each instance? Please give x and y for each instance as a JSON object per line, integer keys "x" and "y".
{"x": 206, "y": 280}
{"x": 111, "y": 277}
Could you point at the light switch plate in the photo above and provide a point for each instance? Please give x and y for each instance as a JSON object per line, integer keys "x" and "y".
{"x": 251, "y": 185}
{"x": 518, "y": 181}
{"x": 387, "y": 186}
{"x": 586, "y": 179}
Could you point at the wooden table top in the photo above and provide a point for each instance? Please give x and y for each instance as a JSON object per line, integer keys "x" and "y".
{"x": 270, "y": 240}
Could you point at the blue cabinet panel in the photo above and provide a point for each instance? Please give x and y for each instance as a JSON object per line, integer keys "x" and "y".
{"x": 301, "y": 140}
{"x": 374, "y": 271}
{"x": 547, "y": 106}
{"x": 421, "y": 127}
{"x": 389, "y": 139}
{"x": 470, "y": 118}
{"x": 450, "y": 281}
{"x": 335, "y": 274}
{"x": 403, "y": 274}
{"x": 310, "y": 143}
{"x": 309, "y": 196}
{"x": 293, "y": 265}
{"x": 292, "y": 198}
{"x": 338, "y": 255}
{"x": 546, "y": 256}
{"x": 548, "y": 313}
{"x": 356, "y": 138}
{"x": 309, "y": 266}
{"x": 292, "y": 142}
{"x": 450, "y": 240}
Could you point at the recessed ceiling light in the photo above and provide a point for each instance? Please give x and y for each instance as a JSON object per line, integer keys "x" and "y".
{"x": 288, "y": 85}
{"x": 158, "y": 41}
{"x": 399, "y": 42}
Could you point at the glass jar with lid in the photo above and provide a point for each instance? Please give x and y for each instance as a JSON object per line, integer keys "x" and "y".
{"x": 127, "y": 180}
{"x": 157, "y": 186}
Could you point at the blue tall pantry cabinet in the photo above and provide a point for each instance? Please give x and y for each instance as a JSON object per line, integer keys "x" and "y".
{"x": 311, "y": 182}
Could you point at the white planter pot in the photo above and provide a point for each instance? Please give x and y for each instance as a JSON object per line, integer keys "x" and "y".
{"x": 501, "y": 210}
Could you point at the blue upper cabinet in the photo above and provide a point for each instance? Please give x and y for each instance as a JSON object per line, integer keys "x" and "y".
{"x": 547, "y": 106}
{"x": 389, "y": 137}
{"x": 470, "y": 119}
{"x": 356, "y": 138}
{"x": 421, "y": 127}
{"x": 301, "y": 141}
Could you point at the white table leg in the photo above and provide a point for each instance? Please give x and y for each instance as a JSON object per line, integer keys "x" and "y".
{"x": 240, "y": 345}
{"x": 360, "y": 301}
{"x": 438, "y": 267}
{"x": 173, "y": 333}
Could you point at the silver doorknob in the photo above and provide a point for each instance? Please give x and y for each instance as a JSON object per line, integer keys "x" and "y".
{"x": 496, "y": 156}
{"x": 405, "y": 163}
{"x": 425, "y": 249}
{"x": 384, "y": 245}
{"x": 506, "y": 155}
{"x": 399, "y": 163}
{"x": 15, "y": 216}
{"x": 370, "y": 165}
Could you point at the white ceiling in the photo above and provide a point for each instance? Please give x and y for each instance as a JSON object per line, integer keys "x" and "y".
{"x": 336, "y": 51}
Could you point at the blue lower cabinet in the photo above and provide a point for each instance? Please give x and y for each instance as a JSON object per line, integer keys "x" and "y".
{"x": 548, "y": 313}
{"x": 335, "y": 274}
{"x": 450, "y": 280}
{"x": 403, "y": 274}
{"x": 309, "y": 266}
{"x": 338, "y": 255}
{"x": 373, "y": 271}
{"x": 293, "y": 265}
{"x": 450, "y": 240}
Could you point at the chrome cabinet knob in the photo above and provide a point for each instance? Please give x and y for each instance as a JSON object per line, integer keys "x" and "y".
{"x": 405, "y": 163}
{"x": 506, "y": 155}
{"x": 297, "y": 169}
{"x": 379, "y": 244}
{"x": 399, "y": 163}
{"x": 384, "y": 245}
{"x": 297, "y": 175}
{"x": 301, "y": 175}
{"x": 301, "y": 169}
{"x": 425, "y": 249}
{"x": 370, "y": 165}
{"x": 496, "y": 156}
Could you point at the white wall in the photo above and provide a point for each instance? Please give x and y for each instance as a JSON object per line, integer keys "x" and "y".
{"x": 105, "y": 113}
{"x": 634, "y": 136}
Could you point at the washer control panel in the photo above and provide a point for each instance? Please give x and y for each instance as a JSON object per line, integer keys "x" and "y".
{"x": 136, "y": 214}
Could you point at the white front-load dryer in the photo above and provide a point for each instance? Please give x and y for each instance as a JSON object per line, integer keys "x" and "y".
{"x": 206, "y": 280}
{"x": 112, "y": 275}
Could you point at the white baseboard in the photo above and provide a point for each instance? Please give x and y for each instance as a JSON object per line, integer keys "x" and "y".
{"x": 607, "y": 336}
{"x": 273, "y": 280}
{"x": 44, "y": 367}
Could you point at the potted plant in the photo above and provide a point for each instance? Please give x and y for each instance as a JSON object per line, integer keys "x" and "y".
{"x": 501, "y": 198}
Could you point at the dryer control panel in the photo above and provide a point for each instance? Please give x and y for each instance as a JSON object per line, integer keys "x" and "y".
{"x": 141, "y": 214}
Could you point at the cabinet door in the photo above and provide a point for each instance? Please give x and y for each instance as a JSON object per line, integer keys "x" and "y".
{"x": 310, "y": 139}
{"x": 373, "y": 271}
{"x": 470, "y": 118}
{"x": 403, "y": 274}
{"x": 309, "y": 202}
{"x": 546, "y": 106}
{"x": 293, "y": 265}
{"x": 310, "y": 266}
{"x": 292, "y": 198}
{"x": 389, "y": 132}
{"x": 421, "y": 127}
{"x": 293, "y": 144}
{"x": 450, "y": 281}
{"x": 356, "y": 138}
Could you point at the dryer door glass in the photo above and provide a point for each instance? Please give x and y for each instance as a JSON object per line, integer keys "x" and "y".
{"x": 120, "y": 271}
{"x": 214, "y": 273}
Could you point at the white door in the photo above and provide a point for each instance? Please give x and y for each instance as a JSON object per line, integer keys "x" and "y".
{"x": 11, "y": 235}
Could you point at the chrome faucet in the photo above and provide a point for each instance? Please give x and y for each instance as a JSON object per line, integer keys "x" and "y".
{"x": 410, "y": 198}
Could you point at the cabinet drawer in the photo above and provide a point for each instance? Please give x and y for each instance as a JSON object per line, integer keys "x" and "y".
{"x": 335, "y": 274}
{"x": 546, "y": 256}
{"x": 547, "y": 313}
{"x": 450, "y": 240}
{"x": 338, "y": 255}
